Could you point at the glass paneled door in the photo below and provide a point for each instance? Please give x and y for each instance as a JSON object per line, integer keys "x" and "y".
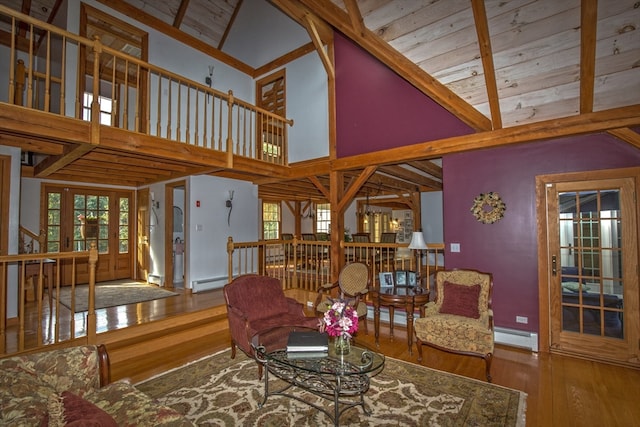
{"x": 77, "y": 217}
{"x": 593, "y": 268}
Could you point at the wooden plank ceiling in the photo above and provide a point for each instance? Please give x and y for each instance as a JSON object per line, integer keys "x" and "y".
{"x": 496, "y": 64}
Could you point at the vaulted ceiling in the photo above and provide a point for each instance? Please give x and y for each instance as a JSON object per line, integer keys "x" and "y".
{"x": 496, "y": 64}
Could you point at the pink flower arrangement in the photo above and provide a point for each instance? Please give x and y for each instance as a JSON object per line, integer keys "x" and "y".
{"x": 340, "y": 320}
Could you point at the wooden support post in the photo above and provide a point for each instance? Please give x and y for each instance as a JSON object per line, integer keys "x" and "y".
{"x": 19, "y": 84}
{"x": 92, "y": 323}
{"x": 230, "y": 247}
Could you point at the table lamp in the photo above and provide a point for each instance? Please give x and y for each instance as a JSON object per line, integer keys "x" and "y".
{"x": 417, "y": 243}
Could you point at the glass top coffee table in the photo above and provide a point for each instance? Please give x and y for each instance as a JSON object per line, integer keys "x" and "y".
{"x": 344, "y": 379}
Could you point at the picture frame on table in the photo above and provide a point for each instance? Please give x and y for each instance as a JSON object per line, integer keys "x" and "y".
{"x": 406, "y": 278}
{"x": 386, "y": 279}
{"x": 401, "y": 277}
{"x": 412, "y": 278}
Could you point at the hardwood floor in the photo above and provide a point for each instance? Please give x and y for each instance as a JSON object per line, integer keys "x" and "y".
{"x": 562, "y": 390}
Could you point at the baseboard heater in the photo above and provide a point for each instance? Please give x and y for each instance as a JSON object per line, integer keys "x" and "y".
{"x": 154, "y": 279}
{"x": 516, "y": 338}
{"x": 208, "y": 284}
{"x": 506, "y": 336}
{"x": 211, "y": 283}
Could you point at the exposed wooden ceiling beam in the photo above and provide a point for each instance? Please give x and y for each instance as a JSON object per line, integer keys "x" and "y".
{"x": 317, "y": 42}
{"x": 413, "y": 178}
{"x": 177, "y": 20}
{"x": 484, "y": 41}
{"x": 159, "y": 25}
{"x": 627, "y": 135}
{"x": 284, "y": 59}
{"x": 405, "y": 174}
{"x": 321, "y": 187}
{"x": 223, "y": 39}
{"x": 575, "y": 125}
{"x": 52, "y": 164}
{"x": 101, "y": 155}
{"x": 298, "y": 12}
{"x": 427, "y": 167}
{"x": 352, "y": 190}
{"x": 355, "y": 16}
{"x": 588, "y": 24}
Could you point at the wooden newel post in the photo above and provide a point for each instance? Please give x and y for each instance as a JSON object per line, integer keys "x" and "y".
{"x": 95, "y": 104}
{"x": 229, "y": 130}
{"x": 91, "y": 315}
{"x": 230, "y": 247}
{"x": 19, "y": 83}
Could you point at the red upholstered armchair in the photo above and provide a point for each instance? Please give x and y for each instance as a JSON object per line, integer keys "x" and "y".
{"x": 257, "y": 303}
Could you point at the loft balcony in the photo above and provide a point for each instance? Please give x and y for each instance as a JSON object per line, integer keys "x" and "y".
{"x": 124, "y": 121}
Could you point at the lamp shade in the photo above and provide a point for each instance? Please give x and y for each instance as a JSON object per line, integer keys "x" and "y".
{"x": 417, "y": 241}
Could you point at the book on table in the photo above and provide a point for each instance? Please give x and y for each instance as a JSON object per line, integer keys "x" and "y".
{"x": 295, "y": 355}
{"x": 307, "y": 341}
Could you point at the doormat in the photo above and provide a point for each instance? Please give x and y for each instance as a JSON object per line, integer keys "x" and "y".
{"x": 112, "y": 294}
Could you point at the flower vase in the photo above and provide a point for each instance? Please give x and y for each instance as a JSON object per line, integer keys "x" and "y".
{"x": 342, "y": 345}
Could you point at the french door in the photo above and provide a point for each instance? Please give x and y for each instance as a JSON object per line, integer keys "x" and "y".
{"x": 590, "y": 281}
{"x": 76, "y": 217}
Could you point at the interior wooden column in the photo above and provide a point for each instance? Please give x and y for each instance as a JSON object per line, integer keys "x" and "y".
{"x": 336, "y": 183}
{"x": 336, "y": 179}
{"x": 416, "y": 207}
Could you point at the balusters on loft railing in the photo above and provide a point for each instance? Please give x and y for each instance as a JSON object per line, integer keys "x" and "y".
{"x": 148, "y": 99}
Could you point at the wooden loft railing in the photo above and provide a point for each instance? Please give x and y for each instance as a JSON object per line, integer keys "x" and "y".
{"x": 26, "y": 277}
{"x": 44, "y": 62}
{"x": 305, "y": 264}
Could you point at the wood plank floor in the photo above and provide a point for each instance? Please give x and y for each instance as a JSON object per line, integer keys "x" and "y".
{"x": 562, "y": 390}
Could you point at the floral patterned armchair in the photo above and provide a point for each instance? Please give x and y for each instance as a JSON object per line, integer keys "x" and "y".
{"x": 460, "y": 320}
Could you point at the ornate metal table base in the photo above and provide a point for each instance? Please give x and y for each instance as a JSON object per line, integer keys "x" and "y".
{"x": 334, "y": 379}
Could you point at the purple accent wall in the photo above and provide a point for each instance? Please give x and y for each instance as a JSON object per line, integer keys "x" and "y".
{"x": 376, "y": 109}
{"x": 508, "y": 248}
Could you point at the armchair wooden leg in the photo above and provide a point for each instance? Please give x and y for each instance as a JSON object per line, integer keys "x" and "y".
{"x": 233, "y": 349}
{"x": 487, "y": 360}
{"x": 419, "y": 346}
{"x": 365, "y": 327}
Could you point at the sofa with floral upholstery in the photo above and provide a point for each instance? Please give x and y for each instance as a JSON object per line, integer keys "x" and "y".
{"x": 71, "y": 386}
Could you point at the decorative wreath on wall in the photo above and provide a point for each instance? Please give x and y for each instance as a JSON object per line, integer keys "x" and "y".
{"x": 488, "y": 207}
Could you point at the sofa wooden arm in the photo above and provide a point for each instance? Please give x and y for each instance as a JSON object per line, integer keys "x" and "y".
{"x": 104, "y": 365}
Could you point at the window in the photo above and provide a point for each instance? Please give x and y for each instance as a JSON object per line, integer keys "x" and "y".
{"x": 270, "y": 220}
{"x": 323, "y": 218}
{"x": 106, "y": 107}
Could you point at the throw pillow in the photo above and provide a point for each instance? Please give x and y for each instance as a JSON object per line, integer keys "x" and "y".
{"x": 69, "y": 409}
{"x": 571, "y": 286}
{"x": 461, "y": 300}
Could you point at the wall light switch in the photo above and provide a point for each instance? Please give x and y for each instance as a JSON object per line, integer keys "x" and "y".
{"x": 455, "y": 247}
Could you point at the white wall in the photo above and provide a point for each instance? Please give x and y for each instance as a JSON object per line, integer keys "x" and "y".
{"x": 308, "y": 106}
{"x": 432, "y": 217}
{"x": 279, "y": 34}
{"x": 208, "y": 226}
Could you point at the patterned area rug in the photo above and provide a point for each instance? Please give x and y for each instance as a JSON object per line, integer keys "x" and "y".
{"x": 111, "y": 294}
{"x": 220, "y": 391}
